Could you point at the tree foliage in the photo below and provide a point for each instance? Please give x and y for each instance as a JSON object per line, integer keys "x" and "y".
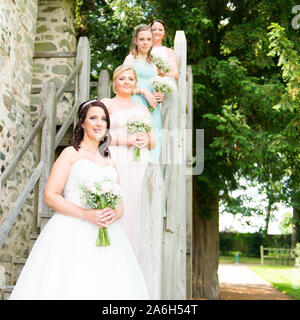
{"x": 245, "y": 62}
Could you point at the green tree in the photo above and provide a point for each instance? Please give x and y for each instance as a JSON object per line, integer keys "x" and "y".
{"x": 285, "y": 226}
{"x": 289, "y": 146}
{"x": 237, "y": 84}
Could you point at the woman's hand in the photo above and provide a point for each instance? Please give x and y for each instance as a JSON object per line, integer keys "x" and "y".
{"x": 101, "y": 218}
{"x": 142, "y": 140}
{"x": 159, "y": 96}
{"x": 139, "y": 140}
{"x": 150, "y": 97}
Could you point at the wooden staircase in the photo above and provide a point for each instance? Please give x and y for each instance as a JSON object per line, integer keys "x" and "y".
{"x": 53, "y": 139}
{"x": 179, "y": 194}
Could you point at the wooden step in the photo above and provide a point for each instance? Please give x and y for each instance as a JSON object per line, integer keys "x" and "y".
{"x": 19, "y": 264}
{"x": 6, "y": 291}
{"x": 44, "y": 218}
{"x": 33, "y": 238}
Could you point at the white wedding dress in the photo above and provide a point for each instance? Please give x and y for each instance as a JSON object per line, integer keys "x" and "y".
{"x": 65, "y": 262}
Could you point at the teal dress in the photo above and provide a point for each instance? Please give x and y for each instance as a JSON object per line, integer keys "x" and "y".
{"x": 145, "y": 71}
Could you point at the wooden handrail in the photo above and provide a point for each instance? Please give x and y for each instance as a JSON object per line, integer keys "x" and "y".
{"x": 51, "y": 54}
{"x": 18, "y": 157}
{"x": 5, "y": 228}
{"x": 63, "y": 129}
{"x": 68, "y": 81}
{"x": 49, "y": 99}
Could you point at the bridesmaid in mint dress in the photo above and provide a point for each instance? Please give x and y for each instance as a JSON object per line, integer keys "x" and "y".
{"x": 141, "y": 60}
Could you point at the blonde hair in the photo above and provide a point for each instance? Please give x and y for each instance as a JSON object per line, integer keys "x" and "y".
{"x": 134, "y": 47}
{"x": 119, "y": 70}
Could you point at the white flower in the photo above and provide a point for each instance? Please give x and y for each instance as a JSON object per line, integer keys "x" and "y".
{"x": 117, "y": 189}
{"x": 161, "y": 62}
{"x": 162, "y": 84}
{"x": 106, "y": 186}
{"x": 90, "y": 187}
{"x": 139, "y": 123}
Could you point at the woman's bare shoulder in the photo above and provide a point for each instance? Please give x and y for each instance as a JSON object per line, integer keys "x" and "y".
{"x": 108, "y": 103}
{"x": 69, "y": 154}
{"x": 129, "y": 59}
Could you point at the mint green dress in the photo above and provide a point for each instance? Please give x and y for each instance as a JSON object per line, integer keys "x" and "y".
{"x": 145, "y": 71}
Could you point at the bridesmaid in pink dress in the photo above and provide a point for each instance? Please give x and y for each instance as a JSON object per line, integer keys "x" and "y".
{"x": 122, "y": 148}
{"x": 159, "y": 31}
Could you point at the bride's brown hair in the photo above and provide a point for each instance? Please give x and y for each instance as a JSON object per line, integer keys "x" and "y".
{"x": 79, "y": 132}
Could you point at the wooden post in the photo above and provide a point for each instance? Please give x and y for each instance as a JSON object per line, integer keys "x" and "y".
{"x": 104, "y": 87}
{"x": 48, "y": 108}
{"x": 151, "y": 229}
{"x": 261, "y": 255}
{"x": 82, "y": 86}
{"x": 83, "y": 54}
{"x": 174, "y": 247}
{"x": 189, "y": 183}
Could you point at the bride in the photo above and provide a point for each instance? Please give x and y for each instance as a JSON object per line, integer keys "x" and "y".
{"x": 65, "y": 262}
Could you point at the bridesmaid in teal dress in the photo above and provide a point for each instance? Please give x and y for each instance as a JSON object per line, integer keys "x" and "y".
{"x": 141, "y": 60}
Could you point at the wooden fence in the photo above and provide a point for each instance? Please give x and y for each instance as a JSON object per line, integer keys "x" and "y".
{"x": 280, "y": 256}
{"x": 166, "y": 242}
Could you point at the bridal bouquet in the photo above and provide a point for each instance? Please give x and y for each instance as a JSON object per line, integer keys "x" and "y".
{"x": 161, "y": 62}
{"x": 100, "y": 196}
{"x": 162, "y": 84}
{"x": 139, "y": 124}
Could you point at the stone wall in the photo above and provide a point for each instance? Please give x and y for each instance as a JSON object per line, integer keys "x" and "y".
{"x": 55, "y": 33}
{"x": 17, "y": 34}
{"x": 27, "y": 26}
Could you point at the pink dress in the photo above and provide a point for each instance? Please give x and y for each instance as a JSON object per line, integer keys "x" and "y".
{"x": 131, "y": 175}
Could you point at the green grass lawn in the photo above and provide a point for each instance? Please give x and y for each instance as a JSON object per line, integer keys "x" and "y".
{"x": 242, "y": 259}
{"x": 286, "y": 279}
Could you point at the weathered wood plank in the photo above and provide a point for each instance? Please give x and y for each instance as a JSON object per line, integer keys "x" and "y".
{"x": 68, "y": 81}
{"x": 23, "y": 148}
{"x": 48, "y": 109}
{"x": 38, "y": 90}
{"x": 104, "y": 85}
{"x": 174, "y": 248}
{"x": 83, "y": 54}
{"x": 63, "y": 129}
{"x": 151, "y": 229}
{"x": 54, "y": 54}
{"x": 189, "y": 184}
{"x": 17, "y": 206}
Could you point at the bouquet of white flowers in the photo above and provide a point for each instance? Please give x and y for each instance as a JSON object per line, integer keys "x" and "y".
{"x": 161, "y": 62}
{"x": 100, "y": 196}
{"x": 139, "y": 124}
{"x": 162, "y": 84}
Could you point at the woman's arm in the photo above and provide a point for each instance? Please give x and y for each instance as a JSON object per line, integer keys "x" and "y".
{"x": 174, "y": 71}
{"x": 150, "y": 97}
{"x": 57, "y": 179}
{"x": 128, "y": 61}
{"x": 147, "y": 139}
{"x": 118, "y": 212}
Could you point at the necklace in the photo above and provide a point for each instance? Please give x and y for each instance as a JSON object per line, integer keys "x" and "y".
{"x": 92, "y": 152}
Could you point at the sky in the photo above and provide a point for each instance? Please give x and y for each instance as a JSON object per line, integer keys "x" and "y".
{"x": 238, "y": 223}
